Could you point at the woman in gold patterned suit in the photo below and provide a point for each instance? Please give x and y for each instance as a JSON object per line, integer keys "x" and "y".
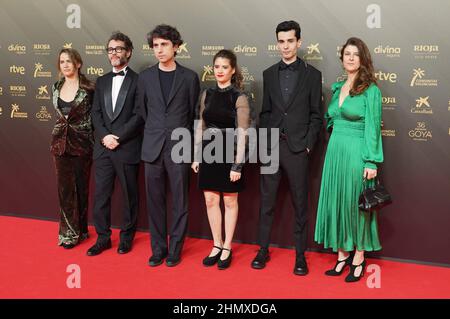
{"x": 71, "y": 145}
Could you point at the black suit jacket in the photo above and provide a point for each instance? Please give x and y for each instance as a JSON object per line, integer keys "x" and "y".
{"x": 123, "y": 122}
{"x": 161, "y": 119}
{"x": 302, "y": 113}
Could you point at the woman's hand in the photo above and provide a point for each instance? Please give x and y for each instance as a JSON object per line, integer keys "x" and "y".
{"x": 195, "y": 166}
{"x": 234, "y": 176}
{"x": 370, "y": 173}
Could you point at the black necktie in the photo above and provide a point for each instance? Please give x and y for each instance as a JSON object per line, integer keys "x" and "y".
{"x": 121, "y": 73}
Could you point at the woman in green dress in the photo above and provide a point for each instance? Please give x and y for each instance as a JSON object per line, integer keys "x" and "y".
{"x": 353, "y": 154}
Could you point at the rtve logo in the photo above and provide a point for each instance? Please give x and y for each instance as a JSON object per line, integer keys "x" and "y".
{"x": 95, "y": 71}
{"x": 17, "y": 69}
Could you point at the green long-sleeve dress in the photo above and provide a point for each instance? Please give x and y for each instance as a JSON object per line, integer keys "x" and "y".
{"x": 355, "y": 144}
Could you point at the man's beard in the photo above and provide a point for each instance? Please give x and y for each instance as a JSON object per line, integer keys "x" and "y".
{"x": 119, "y": 62}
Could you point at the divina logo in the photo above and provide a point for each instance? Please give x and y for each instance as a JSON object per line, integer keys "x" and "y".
{"x": 17, "y": 48}
{"x": 246, "y": 50}
{"x": 391, "y": 52}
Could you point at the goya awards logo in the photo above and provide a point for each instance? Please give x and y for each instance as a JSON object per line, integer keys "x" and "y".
{"x": 43, "y": 115}
{"x": 94, "y": 49}
{"x": 389, "y": 102}
{"x": 41, "y": 49}
{"x": 15, "y": 112}
{"x": 246, "y": 50}
{"x": 247, "y": 76}
{"x": 39, "y": 71}
{"x": 421, "y": 132}
{"x": 43, "y": 93}
{"x": 426, "y": 51}
{"x": 92, "y": 70}
{"x": 390, "y": 77}
{"x": 17, "y": 69}
{"x": 208, "y": 74}
{"x": 387, "y": 132}
{"x": 419, "y": 80}
{"x": 17, "y": 90}
{"x": 313, "y": 53}
{"x": 183, "y": 52}
{"x": 211, "y": 50}
{"x": 17, "y": 49}
{"x": 388, "y": 51}
{"x": 422, "y": 106}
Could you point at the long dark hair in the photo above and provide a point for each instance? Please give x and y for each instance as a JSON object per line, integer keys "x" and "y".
{"x": 366, "y": 74}
{"x": 237, "y": 77}
{"x": 75, "y": 57}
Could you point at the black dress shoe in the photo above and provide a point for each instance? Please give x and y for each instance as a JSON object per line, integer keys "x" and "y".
{"x": 343, "y": 263}
{"x": 156, "y": 260}
{"x": 124, "y": 247}
{"x": 210, "y": 261}
{"x": 225, "y": 263}
{"x": 261, "y": 258}
{"x": 301, "y": 268}
{"x": 351, "y": 276}
{"x": 99, "y": 247}
{"x": 173, "y": 260}
{"x": 68, "y": 245}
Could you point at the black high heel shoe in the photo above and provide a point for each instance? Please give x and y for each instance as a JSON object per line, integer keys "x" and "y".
{"x": 210, "y": 261}
{"x": 224, "y": 264}
{"x": 333, "y": 272}
{"x": 351, "y": 276}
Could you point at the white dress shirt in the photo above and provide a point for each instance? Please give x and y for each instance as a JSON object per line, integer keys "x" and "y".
{"x": 116, "y": 84}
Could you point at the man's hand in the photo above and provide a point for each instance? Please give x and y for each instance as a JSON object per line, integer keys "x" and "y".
{"x": 110, "y": 141}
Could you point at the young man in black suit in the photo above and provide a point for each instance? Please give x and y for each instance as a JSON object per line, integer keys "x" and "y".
{"x": 118, "y": 132}
{"x": 168, "y": 95}
{"x": 291, "y": 104}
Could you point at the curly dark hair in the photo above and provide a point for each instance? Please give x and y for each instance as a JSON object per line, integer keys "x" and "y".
{"x": 237, "y": 77}
{"x": 288, "y": 26}
{"x": 366, "y": 74}
{"x": 165, "y": 32}
{"x": 119, "y": 36}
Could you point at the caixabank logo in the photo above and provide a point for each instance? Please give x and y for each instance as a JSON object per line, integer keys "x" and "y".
{"x": 422, "y": 106}
{"x": 42, "y": 93}
{"x": 183, "y": 51}
{"x": 313, "y": 53}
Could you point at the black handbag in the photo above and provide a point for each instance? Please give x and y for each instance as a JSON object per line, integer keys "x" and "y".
{"x": 374, "y": 198}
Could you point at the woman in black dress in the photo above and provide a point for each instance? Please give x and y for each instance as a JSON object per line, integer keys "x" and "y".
{"x": 222, "y": 133}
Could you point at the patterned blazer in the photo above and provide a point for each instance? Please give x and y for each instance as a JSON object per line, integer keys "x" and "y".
{"x": 73, "y": 135}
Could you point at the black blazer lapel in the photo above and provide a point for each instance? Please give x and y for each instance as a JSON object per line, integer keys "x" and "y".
{"x": 277, "y": 88}
{"x": 177, "y": 81}
{"x": 107, "y": 95}
{"x": 123, "y": 92}
{"x": 303, "y": 75}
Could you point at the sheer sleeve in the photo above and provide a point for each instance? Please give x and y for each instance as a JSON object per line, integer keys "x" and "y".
{"x": 243, "y": 120}
{"x": 373, "y": 148}
{"x": 198, "y": 130}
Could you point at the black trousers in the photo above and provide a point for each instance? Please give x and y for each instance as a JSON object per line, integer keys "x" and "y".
{"x": 295, "y": 166}
{"x": 106, "y": 171}
{"x": 155, "y": 185}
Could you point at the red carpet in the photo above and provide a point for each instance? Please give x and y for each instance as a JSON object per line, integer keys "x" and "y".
{"x": 33, "y": 266}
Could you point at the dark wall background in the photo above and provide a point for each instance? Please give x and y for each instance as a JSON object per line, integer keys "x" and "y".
{"x": 405, "y": 38}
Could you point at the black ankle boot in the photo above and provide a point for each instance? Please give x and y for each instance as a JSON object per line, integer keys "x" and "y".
{"x": 224, "y": 264}
{"x": 210, "y": 261}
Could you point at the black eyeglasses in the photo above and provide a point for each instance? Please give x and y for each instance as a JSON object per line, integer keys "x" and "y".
{"x": 117, "y": 49}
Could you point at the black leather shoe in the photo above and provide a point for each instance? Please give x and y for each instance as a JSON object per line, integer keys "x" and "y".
{"x": 99, "y": 247}
{"x": 301, "y": 268}
{"x": 124, "y": 247}
{"x": 351, "y": 276}
{"x": 210, "y": 261}
{"x": 68, "y": 245}
{"x": 261, "y": 258}
{"x": 156, "y": 260}
{"x": 173, "y": 260}
{"x": 343, "y": 263}
{"x": 225, "y": 263}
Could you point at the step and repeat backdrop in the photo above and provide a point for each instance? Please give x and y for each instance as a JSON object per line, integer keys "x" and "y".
{"x": 409, "y": 44}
